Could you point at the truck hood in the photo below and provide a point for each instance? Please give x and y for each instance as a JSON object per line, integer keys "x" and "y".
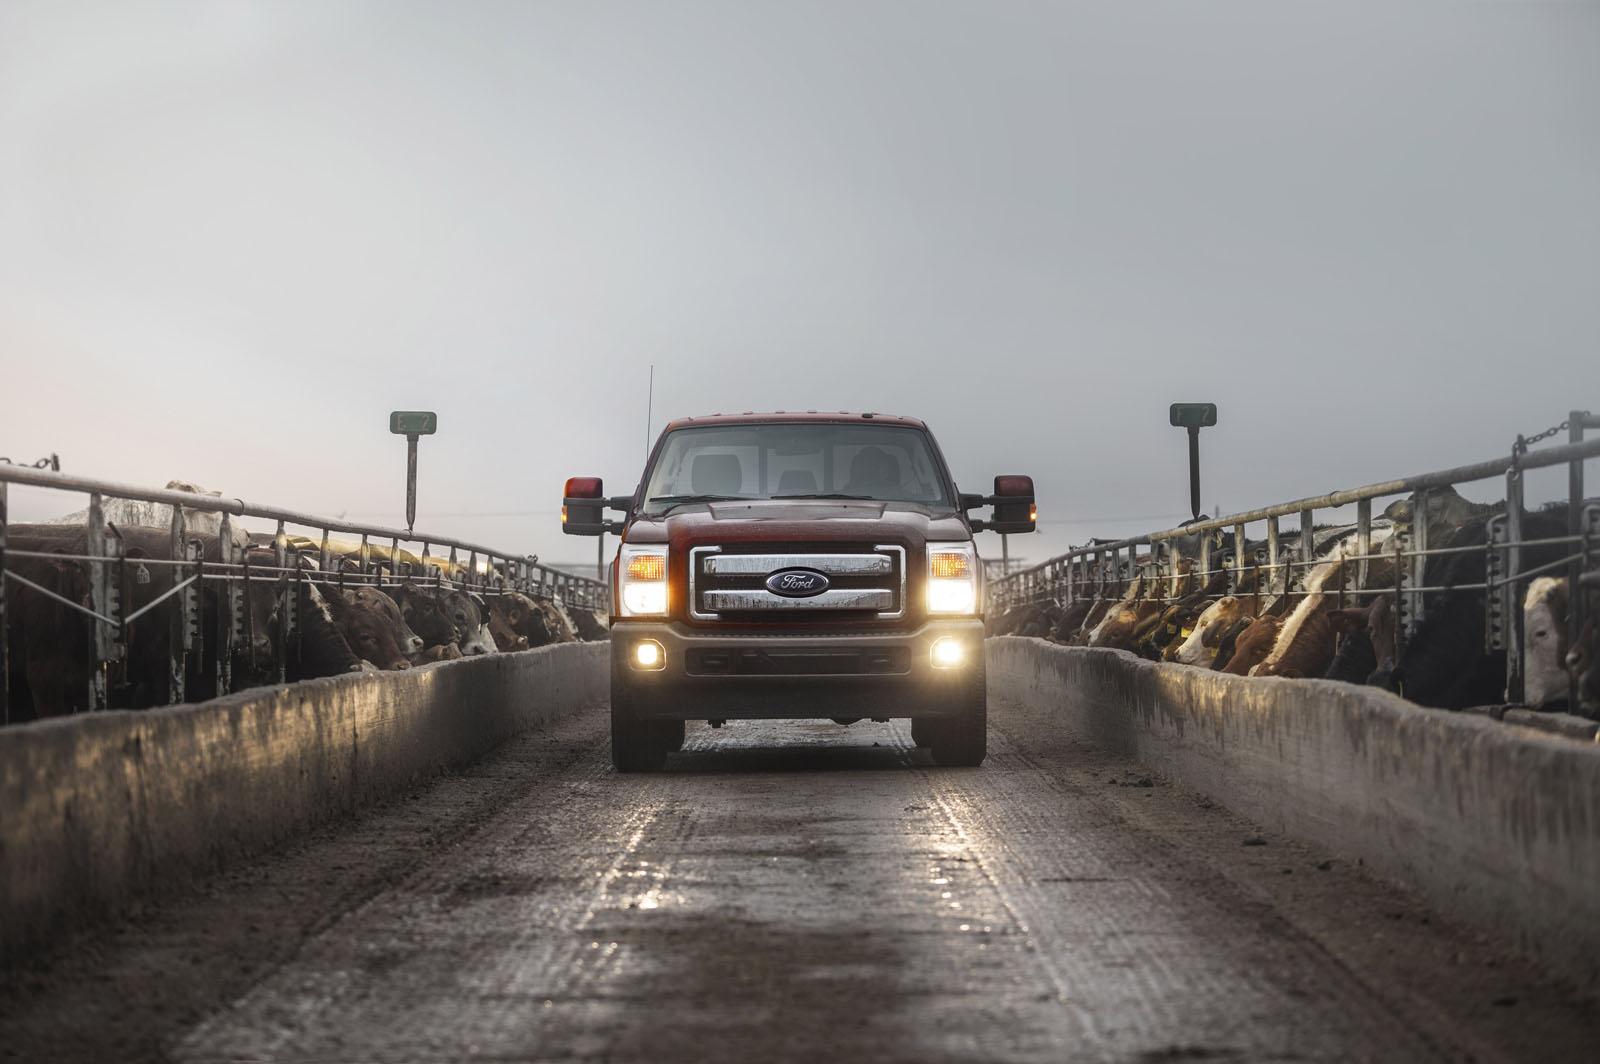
{"x": 791, "y": 520}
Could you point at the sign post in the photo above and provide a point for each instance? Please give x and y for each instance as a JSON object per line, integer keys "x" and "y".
{"x": 1194, "y": 417}
{"x": 412, "y": 424}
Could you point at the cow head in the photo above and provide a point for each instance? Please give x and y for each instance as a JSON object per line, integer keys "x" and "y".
{"x": 324, "y": 651}
{"x": 1583, "y": 664}
{"x": 1544, "y": 625}
{"x": 1198, "y": 645}
{"x": 514, "y": 616}
{"x": 408, "y": 641}
{"x": 423, "y": 611}
{"x": 370, "y": 632}
{"x": 1252, "y": 645}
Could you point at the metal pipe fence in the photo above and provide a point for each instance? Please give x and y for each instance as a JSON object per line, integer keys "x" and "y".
{"x": 1174, "y": 564}
{"x": 284, "y": 560}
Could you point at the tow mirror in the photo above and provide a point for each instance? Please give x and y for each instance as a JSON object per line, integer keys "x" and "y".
{"x": 584, "y": 505}
{"x": 1014, "y": 508}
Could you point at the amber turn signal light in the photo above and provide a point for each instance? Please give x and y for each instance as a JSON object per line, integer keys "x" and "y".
{"x": 647, "y": 567}
{"x": 949, "y": 565}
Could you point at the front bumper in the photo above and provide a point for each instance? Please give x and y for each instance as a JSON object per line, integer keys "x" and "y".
{"x": 818, "y": 675}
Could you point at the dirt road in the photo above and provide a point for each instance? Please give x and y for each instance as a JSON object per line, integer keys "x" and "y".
{"x": 787, "y": 892}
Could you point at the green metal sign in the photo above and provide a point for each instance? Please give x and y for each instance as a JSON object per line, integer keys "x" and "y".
{"x": 413, "y": 422}
{"x": 1193, "y": 415}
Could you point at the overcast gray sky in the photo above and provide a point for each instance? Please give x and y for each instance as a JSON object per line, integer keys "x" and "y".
{"x": 234, "y": 235}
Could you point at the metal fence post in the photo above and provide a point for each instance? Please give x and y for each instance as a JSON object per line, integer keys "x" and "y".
{"x": 1238, "y": 557}
{"x": 1577, "y": 422}
{"x": 1273, "y": 554}
{"x": 1308, "y": 542}
{"x": 5, "y": 645}
{"x": 286, "y": 604}
{"x": 1516, "y": 665}
{"x": 1363, "y": 540}
{"x": 1497, "y": 591}
{"x": 102, "y": 639}
{"x": 1402, "y": 601}
{"x": 178, "y": 618}
{"x": 193, "y": 599}
{"x": 1419, "y": 562}
{"x": 227, "y": 607}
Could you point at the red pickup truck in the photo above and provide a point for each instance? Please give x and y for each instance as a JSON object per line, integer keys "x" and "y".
{"x": 796, "y": 566}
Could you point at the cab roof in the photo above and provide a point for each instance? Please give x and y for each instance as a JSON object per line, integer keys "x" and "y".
{"x": 750, "y": 417}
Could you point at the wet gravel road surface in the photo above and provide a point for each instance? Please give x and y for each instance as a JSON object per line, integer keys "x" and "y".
{"x": 793, "y": 891}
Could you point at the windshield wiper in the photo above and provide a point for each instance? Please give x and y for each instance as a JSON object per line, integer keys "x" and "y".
{"x": 684, "y": 500}
{"x": 829, "y": 495}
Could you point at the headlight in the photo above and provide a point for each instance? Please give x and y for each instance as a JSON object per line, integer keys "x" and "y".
{"x": 642, "y": 574}
{"x": 952, "y": 579}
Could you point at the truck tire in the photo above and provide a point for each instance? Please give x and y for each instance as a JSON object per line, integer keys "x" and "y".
{"x": 675, "y": 731}
{"x": 963, "y": 740}
{"x": 636, "y": 745}
{"x": 922, "y": 729}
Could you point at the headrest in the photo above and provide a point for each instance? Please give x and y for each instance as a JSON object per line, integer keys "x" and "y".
{"x": 797, "y": 482}
{"x": 716, "y": 474}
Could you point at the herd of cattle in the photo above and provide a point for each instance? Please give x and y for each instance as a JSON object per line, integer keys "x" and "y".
{"x": 1326, "y": 622}
{"x": 344, "y": 623}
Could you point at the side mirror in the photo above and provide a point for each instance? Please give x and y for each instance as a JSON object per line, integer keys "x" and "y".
{"x": 1014, "y": 507}
{"x": 583, "y": 507}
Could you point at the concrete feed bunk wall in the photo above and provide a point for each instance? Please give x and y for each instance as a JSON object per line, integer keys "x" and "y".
{"x": 97, "y": 808}
{"x": 1495, "y": 824}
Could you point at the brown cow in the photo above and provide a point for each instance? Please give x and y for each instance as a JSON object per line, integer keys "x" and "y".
{"x": 1253, "y": 645}
{"x": 514, "y": 616}
{"x": 1583, "y": 663}
{"x": 442, "y": 616}
{"x": 1365, "y": 637}
{"x": 1307, "y": 640}
{"x": 1199, "y": 645}
{"x": 1124, "y": 624}
{"x": 369, "y": 630}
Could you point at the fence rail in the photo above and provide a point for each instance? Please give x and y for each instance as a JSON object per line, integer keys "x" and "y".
{"x": 381, "y": 557}
{"x": 1160, "y": 565}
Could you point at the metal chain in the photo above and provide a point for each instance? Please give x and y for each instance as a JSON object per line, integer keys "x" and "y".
{"x": 52, "y": 463}
{"x": 1528, "y": 441}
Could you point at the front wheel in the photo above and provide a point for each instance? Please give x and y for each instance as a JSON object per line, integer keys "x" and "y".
{"x": 636, "y": 745}
{"x": 962, "y": 740}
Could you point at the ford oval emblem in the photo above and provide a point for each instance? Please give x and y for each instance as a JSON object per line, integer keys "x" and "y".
{"x": 797, "y": 583}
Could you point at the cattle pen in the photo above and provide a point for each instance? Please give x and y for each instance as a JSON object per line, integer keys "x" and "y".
{"x": 189, "y": 587}
{"x": 1410, "y": 555}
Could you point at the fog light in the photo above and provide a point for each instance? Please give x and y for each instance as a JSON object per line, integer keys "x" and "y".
{"x": 647, "y": 654}
{"x": 948, "y": 653}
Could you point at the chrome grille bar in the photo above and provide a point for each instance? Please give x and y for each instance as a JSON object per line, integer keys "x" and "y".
{"x": 833, "y": 599}
{"x": 710, "y": 564}
{"x": 831, "y": 564}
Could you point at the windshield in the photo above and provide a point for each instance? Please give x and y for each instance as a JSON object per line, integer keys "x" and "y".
{"x": 820, "y": 460}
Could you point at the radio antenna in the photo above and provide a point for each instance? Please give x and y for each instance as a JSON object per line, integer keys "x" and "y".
{"x": 649, "y": 410}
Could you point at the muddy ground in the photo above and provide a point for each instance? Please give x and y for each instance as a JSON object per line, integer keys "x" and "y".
{"x": 793, "y": 891}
